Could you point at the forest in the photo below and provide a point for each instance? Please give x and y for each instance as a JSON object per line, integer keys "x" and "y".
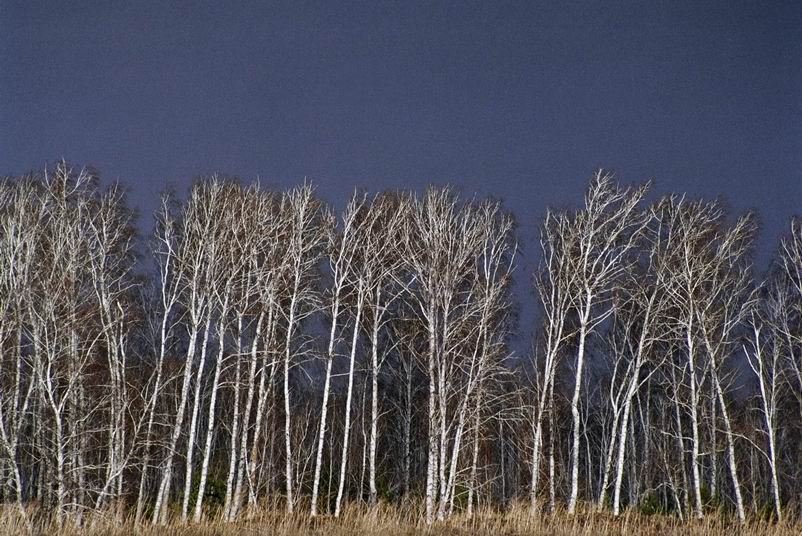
{"x": 248, "y": 355}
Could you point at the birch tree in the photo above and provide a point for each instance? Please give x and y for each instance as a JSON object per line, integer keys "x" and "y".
{"x": 602, "y": 240}
{"x": 229, "y": 264}
{"x": 194, "y": 254}
{"x": 553, "y": 282}
{"x": 706, "y": 282}
{"x": 306, "y": 236}
{"x": 765, "y": 348}
{"x": 443, "y": 244}
{"x": 165, "y": 251}
{"x": 385, "y": 282}
{"x": 640, "y": 315}
{"x": 20, "y": 223}
{"x": 341, "y": 252}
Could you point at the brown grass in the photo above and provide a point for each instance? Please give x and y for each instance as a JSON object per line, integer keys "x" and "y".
{"x": 393, "y": 520}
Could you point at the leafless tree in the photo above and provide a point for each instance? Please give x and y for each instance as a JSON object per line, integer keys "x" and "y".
{"x": 279, "y": 351}
{"x": 601, "y": 239}
{"x": 765, "y": 349}
{"x": 706, "y": 283}
{"x": 306, "y": 235}
{"x": 554, "y": 282}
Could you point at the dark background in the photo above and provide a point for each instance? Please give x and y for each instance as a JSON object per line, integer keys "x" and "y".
{"x": 521, "y": 101}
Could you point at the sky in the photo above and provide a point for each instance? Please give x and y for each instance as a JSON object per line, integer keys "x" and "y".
{"x": 518, "y": 100}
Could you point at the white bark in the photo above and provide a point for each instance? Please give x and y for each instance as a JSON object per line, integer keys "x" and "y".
{"x": 325, "y": 404}
{"x": 360, "y": 297}
{"x": 374, "y": 396}
{"x": 580, "y": 365}
{"x": 193, "y": 423}
{"x": 236, "y": 500}
{"x": 163, "y": 495}
{"x": 287, "y": 416}
{"x": 207, "y": 451}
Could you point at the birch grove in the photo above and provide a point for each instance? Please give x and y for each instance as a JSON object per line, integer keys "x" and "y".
{"x": 261, "y": 349}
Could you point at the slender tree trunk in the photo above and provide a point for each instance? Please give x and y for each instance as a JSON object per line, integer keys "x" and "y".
{"x": 232, "y": 457}
{"x": 60, "y": 462}
{"x": 14, "y": 467}
{"x": 775, "y": 481}
{"x": 536, "y": 448}
{"x": 374, "y": 405}
{"x": 207, "y": 450}
{"x": 713, "y": 443}
{"x": 265, "y": 388}
{"x": 140, "y": 502}
{"x": 455, "y": 450}
{"x": 287, "y": 415}
{"x": 443, "y": 414}
{"x": 580, "y": 364}
{"x": 349, "y": 396}
{"x": 236, "y": 500}
{"x": 432, "y": 462}
{"x": 552, "y": 477}
{"x": 768, "y": 404}
{"x": 697, "y": 491}
{"x": 537, "y": 443}
{"x": 739, "y": 502}
{"x": 624, "y": 429}
{"x": 408, "y": 414}
{"x": 324, "y": 408}
{"x": 475, "y": 454}
{"x": 608, "y": 462}
{"x": 193, "y": 423}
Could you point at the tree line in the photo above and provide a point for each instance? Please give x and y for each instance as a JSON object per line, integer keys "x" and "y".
{"x": 279, "y": 354}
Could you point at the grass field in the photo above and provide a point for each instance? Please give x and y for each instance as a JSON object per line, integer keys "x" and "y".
{"x": 388, "y": 521}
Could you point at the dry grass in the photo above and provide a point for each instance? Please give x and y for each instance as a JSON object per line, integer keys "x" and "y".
{"x": 391, "y": 521}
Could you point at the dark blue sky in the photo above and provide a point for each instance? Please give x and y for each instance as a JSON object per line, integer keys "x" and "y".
{"x": 518, "y": 100}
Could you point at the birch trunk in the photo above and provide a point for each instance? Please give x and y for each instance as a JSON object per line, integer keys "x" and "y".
{"x": 624, "y": 430}
{"x": 232, "y": 455}
{"x": 474, "y": 455}
{"x": 739, "y": 502}
{"x": 696, "y": 479}
{"x": 580, "y": 364}
{"x": 287, "y": 414}
{"x": 432, "y": 462}
{"x": 324, "y": 409}
{"x": 193, "y": 423}
{"x": 236, "y": 500}
{"x": 163, "y": 495}
{"x": 349, "y": 396}
{"x": 207, "y": 451}
{"x": 374, "y": 405}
